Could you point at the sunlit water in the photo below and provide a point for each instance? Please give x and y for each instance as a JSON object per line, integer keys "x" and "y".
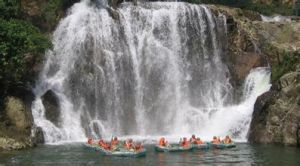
{"x": 76, "y": 154}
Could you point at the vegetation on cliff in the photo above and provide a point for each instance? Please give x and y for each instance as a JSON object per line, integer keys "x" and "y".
{"x": 45, "y": 14}
{"x": 253, "y": 43}
{"x": 24, "y": 29}
{"x": 20, "y": 44}
{"x": 277, "y": 7}
{"x": 287, "y": 64}
{"x": 18, "y": 40}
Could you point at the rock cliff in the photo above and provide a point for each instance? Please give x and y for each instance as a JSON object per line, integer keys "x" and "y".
{"x": 254, "y": 43}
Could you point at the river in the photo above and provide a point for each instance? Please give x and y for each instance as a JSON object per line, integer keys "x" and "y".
{"x": 77, "y": 154}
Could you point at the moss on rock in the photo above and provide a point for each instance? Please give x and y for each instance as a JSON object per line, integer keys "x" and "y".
{"x": 16, "y": 125}
{"x": 17, "y": 114}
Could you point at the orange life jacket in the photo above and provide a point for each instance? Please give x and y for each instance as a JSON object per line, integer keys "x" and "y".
{"x": 193, "y": 140}
{"x": 227, "y": 140}
{"x": 162, "y": 142}
{"x": 106, "y": 146}
{"x": 185, "y": 143}
{"x": 199, "y": 142}
{"x": 90, "y": 141}
{"x": 128, "y": 145}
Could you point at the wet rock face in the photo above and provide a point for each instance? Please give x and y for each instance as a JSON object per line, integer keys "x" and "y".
{"x": 258, "y": 125}
{"x": 243, "y": 52}
{"x": 114, "y": 13}
{"x": 114, "y": 3}
{"x": 17, "y": 114}
{"x": 253, "y": 43}
{"x": 51, "y": 103}
{"x": 276, "y": 118}
{"x": 15, "y": 126}
{"x": 246, "y": 62}
{"x": 38, "y": 136}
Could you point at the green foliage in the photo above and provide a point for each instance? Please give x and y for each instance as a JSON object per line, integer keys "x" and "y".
{"x": 9, "y": 8}
{"x": 50, "y": 11}
{"x": 233, "y": 3}
{"x": 271, "y": 8}
{"x": 18, "y": 38}
{"x": 274, "y": 8}
{"x": 288, "y": 63}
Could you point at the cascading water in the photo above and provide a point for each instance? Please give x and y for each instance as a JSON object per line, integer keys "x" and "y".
{"x": 157, "y": 70}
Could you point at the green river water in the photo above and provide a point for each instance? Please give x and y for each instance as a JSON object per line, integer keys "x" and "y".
{"x": 77, "y": 154}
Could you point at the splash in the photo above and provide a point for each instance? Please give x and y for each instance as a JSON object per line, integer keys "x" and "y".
{"x": 275, "y": 18}
{"x": 157, "y": 70}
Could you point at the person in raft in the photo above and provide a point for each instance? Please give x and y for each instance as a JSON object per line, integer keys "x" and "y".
{"x": 199, "y": 141}
{"x": 104, "y": 145}
{"x": 216, "y": 140}
{"x": 138, "y": 147}
{"x": 185, "y": 143}
{"x": 227, "y": 140}
{"x": 128, "y": 144}
{"x": 193, "y": 139}
{"x": 114, "y": 141}
{"x": 162, "y": 142}
{"x": 90, "y": 141}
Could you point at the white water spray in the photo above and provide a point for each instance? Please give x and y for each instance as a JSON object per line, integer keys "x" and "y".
{"x": 155, "y": 71}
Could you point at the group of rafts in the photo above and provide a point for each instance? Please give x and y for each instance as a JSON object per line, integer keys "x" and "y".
{"x": 128, "y": 148}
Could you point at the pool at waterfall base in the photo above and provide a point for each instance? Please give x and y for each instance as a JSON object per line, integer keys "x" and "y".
{"x": 77, "y": 154}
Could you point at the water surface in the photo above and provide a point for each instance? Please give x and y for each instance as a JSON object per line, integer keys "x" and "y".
{"x": 76, "y": 154}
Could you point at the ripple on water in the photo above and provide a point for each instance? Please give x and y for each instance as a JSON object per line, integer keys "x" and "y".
{"x": 76, "y": 154}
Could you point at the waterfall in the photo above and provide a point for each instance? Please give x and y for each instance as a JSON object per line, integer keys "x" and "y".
{"x": 157, "y": 70}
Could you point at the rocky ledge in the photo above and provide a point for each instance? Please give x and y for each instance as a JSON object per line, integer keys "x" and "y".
{"x": 253, "y": 43}
{"x": 276, "y": 117}
{"x": 16, "y": 128}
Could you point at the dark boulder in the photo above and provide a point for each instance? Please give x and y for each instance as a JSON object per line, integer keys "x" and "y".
{"x": 259, "y": 121}
{"x": 38, "y": 136}
{"x": 113, "y": 13}
{"x": 52, "y": 107}
{"x": 276, "y": 113}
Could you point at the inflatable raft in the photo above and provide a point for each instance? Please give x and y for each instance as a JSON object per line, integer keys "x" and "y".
{"x": 119, "y": 152}
{"x": 172, "y": 148}
{"x": 201, "y": 146}
{"x": 223, "y": 146}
